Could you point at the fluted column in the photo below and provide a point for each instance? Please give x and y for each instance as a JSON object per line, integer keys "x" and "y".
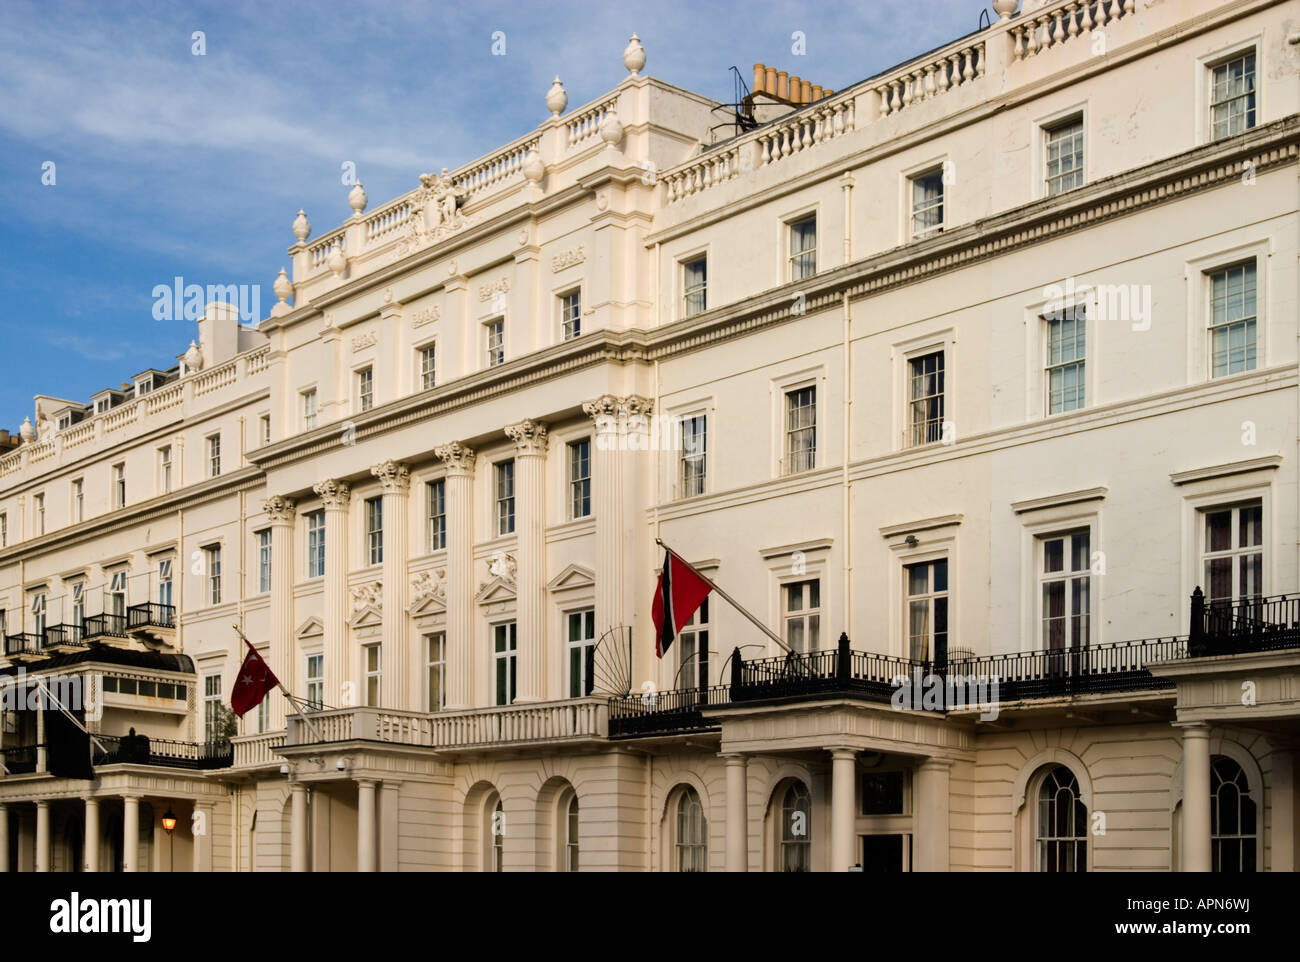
{"x": 530, "y": 439}
{"x": 460, "y": 572}
{"x": 402, "y": 691}
{"x": 607, "y": 463}
{"x": 340, "y": 688}
{"x": 366, "y": 825}
{"x": 90, "y": 845}
{"x": 737, "y": 852}
{"x": 42, "y": 835}
{"x": 298, "y": 827}
{"x": 131, "y": 834}
{"x": 1196, "y": 798}
{"x": 280, "y": 512}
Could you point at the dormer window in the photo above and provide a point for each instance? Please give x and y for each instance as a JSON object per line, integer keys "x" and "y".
{"x": 101, "y": 405}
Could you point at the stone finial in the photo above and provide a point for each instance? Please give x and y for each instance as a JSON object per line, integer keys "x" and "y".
{"x": 458, "y": 458}
{"x": 27, "y": 432}
{"x": 556, "y": 98}
{"x": 279, "y": 509}
{"x": 283, "y": 288}
{"x": 1005, "y": 8}
{"x": 301, "y": 226}
{"x": 336, "y": 261}
{"x": 611, "y": 128}
{"x": 392, "y": 475}
{"x": 634, "y": 56}
{"x": 193, "y": 358}
{"x": 357, "y": 198}
{"x": 334, "y": 494}
{"x": 534, "y": 167}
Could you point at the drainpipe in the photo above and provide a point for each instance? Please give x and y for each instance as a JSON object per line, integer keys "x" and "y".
{"x": 846, "y": 507}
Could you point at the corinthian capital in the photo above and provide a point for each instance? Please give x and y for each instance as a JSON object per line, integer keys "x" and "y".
{"x": 458, "y": 458}
{"x": 529, "y": 436}
{"x": 278, "y": 509}
{"x": 334, "y": 494}
{"x": 392, "y": 475}
{"x": 605, "y": 406}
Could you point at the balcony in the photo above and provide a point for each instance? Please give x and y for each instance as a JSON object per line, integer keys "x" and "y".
{"x": 104, "y": 626}
{"x": 151, "y": 621}
{"x": 258, "y": 751}
{"x": 512, "y": 726}
{"x": 24, "y": 646}
{"x": 19, "y": 761}
{"x": 63, "y": 638}
{"x": 1240, "y": 627}
{"x": 161, "y": 752}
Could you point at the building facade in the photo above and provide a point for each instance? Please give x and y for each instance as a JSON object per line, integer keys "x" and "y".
{"x": 976, "y": 380}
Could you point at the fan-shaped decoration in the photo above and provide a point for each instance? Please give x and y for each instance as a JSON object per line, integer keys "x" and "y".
{"x": 611, "y": 661}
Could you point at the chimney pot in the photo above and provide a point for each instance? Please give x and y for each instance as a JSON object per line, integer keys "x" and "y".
{"x": 760, "y": 75}
{"x": 770, "y": 85}
{"x": 783, "y": 84}
{"x": 816, "y": 92}
{"x": 805, "y": 94}
{"x": 795, "y": 87}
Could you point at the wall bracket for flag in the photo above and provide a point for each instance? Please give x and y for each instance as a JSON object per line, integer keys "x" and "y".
{"x": 727, "y": 598}
{"x": 293, "y": 702}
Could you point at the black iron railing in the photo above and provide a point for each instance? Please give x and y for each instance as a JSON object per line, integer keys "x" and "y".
{"x": 63, "y": 635}
{"x": 20, "y": 760}
{"x": 24, "y": 643}
{"x": 104, "y": 625}
{"x": 655, "y": 712}
{"x": 143, "y": 750}
{"x": 1243, "y": 625}
{"x": 150, "y": 614}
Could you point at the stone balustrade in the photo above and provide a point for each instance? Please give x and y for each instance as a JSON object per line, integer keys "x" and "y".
{"x": 933, "y": 76}
{"x": 1058, "y": 24}
{"x": 255, "y": 751}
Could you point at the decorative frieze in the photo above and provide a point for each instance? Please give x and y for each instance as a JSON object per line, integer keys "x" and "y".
{"x": 334, "y": 494}
{"x": 568, "y": 259}
{"x": 427, "y": 316}
{"x": 429, "y": 585}
{"x": 529, "y": 436}
{"x": 363, "y": 341}
{"x": 392, "y": 475}
{"x": 502, "y": 565}
{"x": 368, "y": 596}
{"x": 487, "y": 291}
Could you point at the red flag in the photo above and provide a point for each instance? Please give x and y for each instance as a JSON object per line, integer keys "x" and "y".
{"x": 255, "y": 679}
{"x": 679, "y": 595}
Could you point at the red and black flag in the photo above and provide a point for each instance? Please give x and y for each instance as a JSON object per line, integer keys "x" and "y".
{"x": 680, "y": 593}
{"x": 254, "y": 681}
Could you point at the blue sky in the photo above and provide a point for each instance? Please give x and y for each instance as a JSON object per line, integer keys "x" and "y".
{"x": 173, "y": 164}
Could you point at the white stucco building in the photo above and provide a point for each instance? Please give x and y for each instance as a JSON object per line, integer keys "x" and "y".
{"x": 985, "y": 363}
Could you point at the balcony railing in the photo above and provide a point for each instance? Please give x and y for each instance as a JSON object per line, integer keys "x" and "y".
{"x": 104, "y": 626}
{"x": 142, "y": 750}
{"x": 150, "y": 614}
{"x": 1243, "y": 625}
{"x": 23, "y": 643}
{"x": 64, "y": 635}
{"x": 654, "y": 712}
{"x": 255, "y": 750}
{"x": 20, "y": 760}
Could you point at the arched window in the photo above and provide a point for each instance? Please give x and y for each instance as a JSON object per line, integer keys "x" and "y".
{"x": 796, "y": 829}
{"x": 1062, "y": 829}
{"x": 497, "y": 836}
{"x": 1233, "y": 824}
{"x": 692, "y": 833}
{"x": 570, "y": 851}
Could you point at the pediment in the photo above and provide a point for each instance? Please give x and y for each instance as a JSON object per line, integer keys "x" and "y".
{"x": 431, "y": 605}
{"x": 313, "y": 627}
{"x": 366, "y": 617}
{"x": 572, "y": 577}
{"x": 498, "y": 589}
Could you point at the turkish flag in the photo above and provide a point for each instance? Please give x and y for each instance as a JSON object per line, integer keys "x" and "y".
{"x": 255, "y": 679}
{"x": 679, "y": 595}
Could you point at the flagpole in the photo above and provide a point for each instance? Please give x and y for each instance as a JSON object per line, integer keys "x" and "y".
{"x": 727, "y": 598}
{"x": 284, "y": 691}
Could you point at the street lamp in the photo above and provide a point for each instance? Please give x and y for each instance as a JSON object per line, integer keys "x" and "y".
{"x": 169, "y": 826}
